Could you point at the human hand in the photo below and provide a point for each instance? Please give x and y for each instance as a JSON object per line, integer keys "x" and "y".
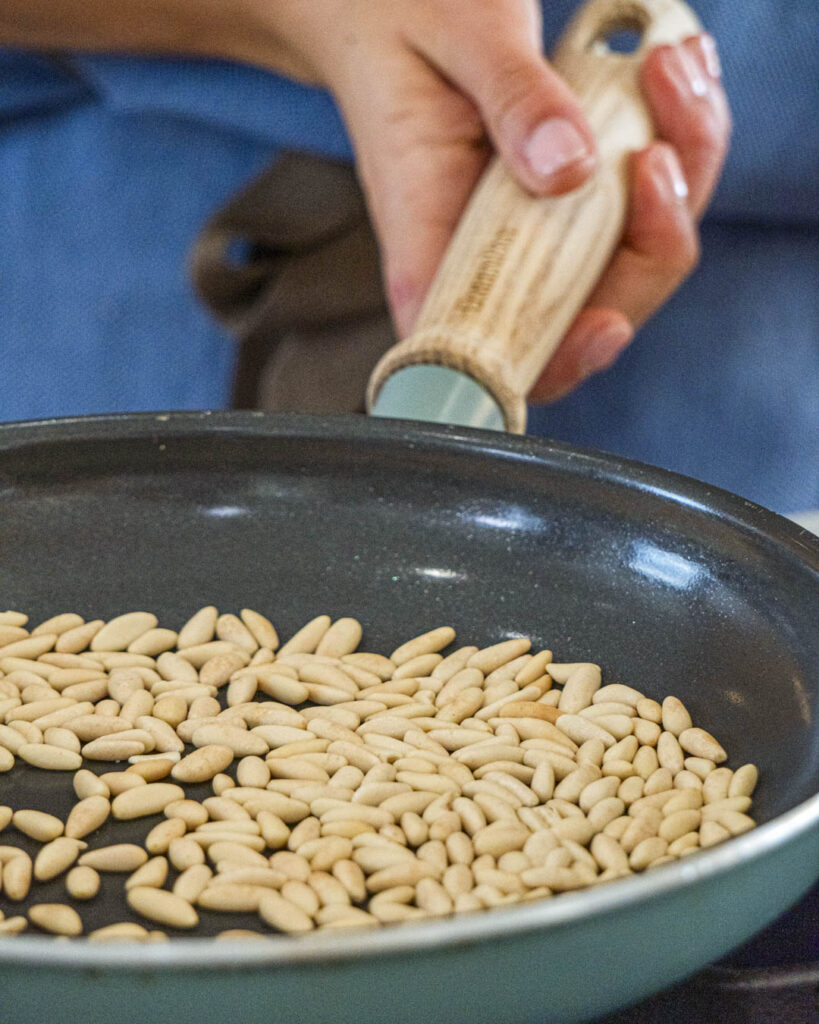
{"x": 429, "y": 89}
{"x": 671, "y": 183}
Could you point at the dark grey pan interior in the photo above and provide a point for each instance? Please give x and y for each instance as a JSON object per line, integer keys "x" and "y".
{"x": 672, "y": 586}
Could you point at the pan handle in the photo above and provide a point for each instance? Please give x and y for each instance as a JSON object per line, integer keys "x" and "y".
{"x": 519, "y": 268}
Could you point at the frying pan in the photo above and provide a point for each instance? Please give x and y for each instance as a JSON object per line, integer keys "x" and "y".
{"x": 672, "y": 586}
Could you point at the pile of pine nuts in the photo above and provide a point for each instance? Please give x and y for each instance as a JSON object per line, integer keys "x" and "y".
{"x": 349, "y": 789}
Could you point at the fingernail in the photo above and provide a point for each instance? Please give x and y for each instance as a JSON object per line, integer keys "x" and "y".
{"x": 553, "y": 145}
{"x": 672, "y": 177}
{"x": 710, "y": 56}
{"x": 685, "y": 72}
{"x": 603, "y": 348}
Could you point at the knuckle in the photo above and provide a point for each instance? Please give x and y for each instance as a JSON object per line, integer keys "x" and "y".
{"x": 672, "y": 254}
{"x": 685, "y": 255}
{"x": 708, "y": 132}
{"x": 517, "y": 94}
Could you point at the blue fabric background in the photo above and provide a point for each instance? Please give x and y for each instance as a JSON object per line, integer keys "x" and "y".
{"x": 111, "y": 165}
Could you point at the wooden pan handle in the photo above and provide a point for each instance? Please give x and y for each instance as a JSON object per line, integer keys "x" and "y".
{"x": 519, "y": 268}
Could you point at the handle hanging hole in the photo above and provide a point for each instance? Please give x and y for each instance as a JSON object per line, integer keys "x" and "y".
{"x": 621, "y": 36}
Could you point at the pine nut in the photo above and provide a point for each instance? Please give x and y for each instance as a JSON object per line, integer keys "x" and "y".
{"x": 153, "y": 873}
{"x": 280, "y": 913}
{"x": 408, "y": 872}
{"x": 28, "y": 647}
{"x": 86, "y": 784}
{"x": 575, "y": 782}
{"x": 606, "y": 708}
{"x": 579, "y": 688}
{"x": 153, "y": 642}
{"x": 646, "y": 852}
{"x": 10, "y": 739}
{"x": 17, "y": 876}
{"x": 118, "y": 857}
{"x": 687, "y": 780}
{"x": 743, "y": 782}
{"x": 151, "y": 798}
{"x": 94, "y": 726}
{"x": 700, "y": 766}
{"x": 678, "y": 824}
{"x": 716, "y": 785}
{"x": 261, "y": 629}
{"x": 675, "y": 716}
{"x": 82, "y": 883}
{"x": 498, "y": 780}
{"x": 198, "y": 654}
{"x": 37, "y": 824}
{"x": 702, "y": 744}
{"x": 13, "y": 618}
{"x": 420, "y": 666}
{"x": 712, "y": 832}
{"x": 307, "y": 639}
{"x": 7, "y": 759}
{"x": 341, "y": 638}
{"x": 55, "y": 918}
{"x": 669, "y": 753}
{"x": 659, "y": 781}
{"x": 529, "y": 709}
{"x": 685, "y": 800}
{"x": 192, "y": 882}
{"x": 57, "y": 737}
{"x": 329, "y": 890}
{"x": 51, "y": 758}
{"x": 162, "y": 906}
{"x": 647, "y": 733}
{"x": 427, "y": 643}
{"x": 375, "y": 663}
{"x": 153, "y": 767}
{"x": 160, "y": 837}
{"x": 199, "y": 629}
{"x": 499, "y": 837}
{"x": 592, "y": 752}
{"x": 123, "y": 630}
{"x": 78, "y": 638}
{"x": 233, "y": 629}
{"x": 608, "y": 853}
{"x": 163, "y": 732}
{"x": 231, "y": 896}
{"x": 735, "y": 821}
{"x": 106, "y": 749}
{"x": 491, "y": 658}
{"x": 224, "y": 813}
{"x": 582, "y": 729}
{"x": 122, "y": 931}
{"x": 202, "y": 764}
{"x": 118, "y": 782}
{"x": 596, "y": 791}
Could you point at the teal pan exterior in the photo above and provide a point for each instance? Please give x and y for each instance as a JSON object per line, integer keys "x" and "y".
{"x": 560, "y": 962}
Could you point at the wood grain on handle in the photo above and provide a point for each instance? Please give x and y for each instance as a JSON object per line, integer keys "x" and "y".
{"x": 519, "y": 268}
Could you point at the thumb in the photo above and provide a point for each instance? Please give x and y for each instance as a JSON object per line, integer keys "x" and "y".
{"x": 531, "y": 115}
{"x": 420, "y": 150}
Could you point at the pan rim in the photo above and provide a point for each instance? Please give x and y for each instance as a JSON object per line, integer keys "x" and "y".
{"x": 569, "y": 909}
{"x": 696, "y": 494}
{"x": 566, "y": 910}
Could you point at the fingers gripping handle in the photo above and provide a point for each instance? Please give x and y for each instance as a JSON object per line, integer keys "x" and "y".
{"x": 519, "y": 268}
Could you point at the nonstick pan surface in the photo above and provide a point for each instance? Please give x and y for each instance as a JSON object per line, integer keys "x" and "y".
{"x": 672, "y": 586}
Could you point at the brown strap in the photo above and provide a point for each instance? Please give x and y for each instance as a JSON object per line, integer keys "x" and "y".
{"x": 304, "y": 297}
